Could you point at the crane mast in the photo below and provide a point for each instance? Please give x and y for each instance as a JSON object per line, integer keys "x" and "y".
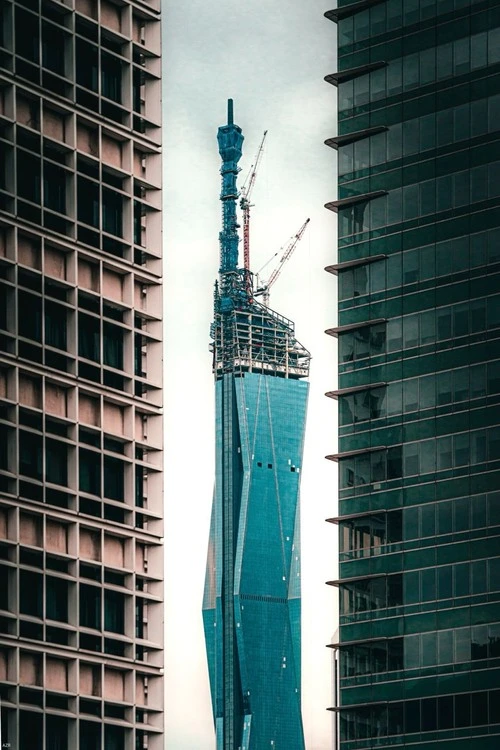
{"x": 245, "y": 206}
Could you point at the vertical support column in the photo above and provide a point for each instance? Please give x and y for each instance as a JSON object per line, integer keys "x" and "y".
{"x": 228, "y": 560}
{"x": 231, "y": 497}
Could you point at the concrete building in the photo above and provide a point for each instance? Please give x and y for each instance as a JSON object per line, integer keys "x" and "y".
{"x": 419, "y": 373}
{"x": 81, "y": 625}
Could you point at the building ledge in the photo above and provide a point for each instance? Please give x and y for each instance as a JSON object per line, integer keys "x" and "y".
{"x": 354, "y": 389}
{"x": 366, "y": 514}
{"x": 355, "y": 706}
{"x": 356, "y": 579}
{"x": 344, "y": 140}
{"x": 337, "y": 14}
{"x": 353, "y": 200}
{"x": 339, "y": 330}
{"x": 352, "y": 454}
{"x": 360, "y": 641}
{"x": 336, "y": 267}
{"x": 341, "y": 76}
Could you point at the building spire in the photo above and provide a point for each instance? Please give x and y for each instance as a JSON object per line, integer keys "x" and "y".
{"x": 230, "y": 140}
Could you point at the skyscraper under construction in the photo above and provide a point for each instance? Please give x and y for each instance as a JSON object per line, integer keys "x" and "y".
{"x": 251, "y": 604}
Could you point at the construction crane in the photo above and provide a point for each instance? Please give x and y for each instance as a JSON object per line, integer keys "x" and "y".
{"x": 245, "y": 206}
{"x": 263, "y": 290}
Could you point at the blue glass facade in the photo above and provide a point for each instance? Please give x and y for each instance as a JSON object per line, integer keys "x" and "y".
{"x": 251, "y": 606}
{"x": 268, "y": 421}
{"x": 419, "y": 373}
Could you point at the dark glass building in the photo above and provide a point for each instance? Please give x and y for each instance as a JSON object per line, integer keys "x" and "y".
{"x": 419, "y": 373}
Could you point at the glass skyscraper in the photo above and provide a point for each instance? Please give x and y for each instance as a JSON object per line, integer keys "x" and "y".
{"x": 251, "y": 606}
{"x": 419, "y": 373}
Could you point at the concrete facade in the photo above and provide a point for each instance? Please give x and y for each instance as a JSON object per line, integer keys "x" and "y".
{"x": 81, "y": 491}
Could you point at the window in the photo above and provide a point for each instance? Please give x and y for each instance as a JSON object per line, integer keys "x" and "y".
{"x": 56, "y": 733}
{"x": 479, "y": 709}
{"x": 27, "y": 35}
{"x": 28, "y": 176}
{"x": 371, "y": 593}
{"x": 368, "y": 658}
{"x": 138, "y": 223}
{"x": 411, "y": 456}
{"x": 444, "y": 453}
{"x": 56, "y": 593}
{"x": 31, "y": 730}
{"x": 30, "y": 593}
{"x": 362, "y": 343}
{"x": 371, "y": 532}
{"x": 114, "y": 611}
{"x": 493, "y": 377}
{"x": 30, "y": 321}
{"x": 56, "y": 462}
{"x": 30, "y": 454}
{"x": 139, "y": 618}
{"x": 138, "y": 82}
{"x": 114, "y": 737}
{"x": 54, "y": 188}
{"x": 112, "y": 212}
{"x": 87, "y": 68}
{"x": 90, "y": 735}
{"x": 111, "y": 77}
{"x": 53, "y": 46}
{"x": 113, "y": 346}
{"x": 4, "y": 589}
{"x": 90, "y": 472}
{"x": 394, "y": 334}
{"x": 88, "y": 337}
{"x": 90, "y": 606}
{"x": 55, "y": 325}
{"x": 410, "y": 331}
{"x": 352, "y": 219}
{"x": 114, "y": 478}
{"x": 88, "y": 201}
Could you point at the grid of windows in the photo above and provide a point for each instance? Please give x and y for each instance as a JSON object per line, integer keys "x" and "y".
{"x": 451, "y": 390}
{"x": 446, "y": 127}
{"x": 376, "y": 533}
{"x": 428, "y": 265}
{"x": 464, "y": 710}
{"x": 418, "y": 391}
{"x": 421, "y": 458}
{"x": 81, "y": 528}
{"x": 419, "y": 651}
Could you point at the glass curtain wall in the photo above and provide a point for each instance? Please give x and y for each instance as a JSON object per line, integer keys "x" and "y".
{"x": 419, "y": 373}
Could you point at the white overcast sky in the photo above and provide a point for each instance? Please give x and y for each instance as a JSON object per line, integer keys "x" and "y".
{"x": 270, "y": 56}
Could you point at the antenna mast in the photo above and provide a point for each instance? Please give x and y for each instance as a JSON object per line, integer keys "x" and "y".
{"x": 230, "y": 139}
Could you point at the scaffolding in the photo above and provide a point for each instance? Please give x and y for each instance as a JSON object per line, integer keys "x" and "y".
{"x": 258, "y": 340}
{"x": 247, "y": 336}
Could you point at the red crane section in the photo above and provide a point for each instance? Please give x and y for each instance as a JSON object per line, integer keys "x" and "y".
{"x": 292, "y": 244}
{"x": 245, "y": 206}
